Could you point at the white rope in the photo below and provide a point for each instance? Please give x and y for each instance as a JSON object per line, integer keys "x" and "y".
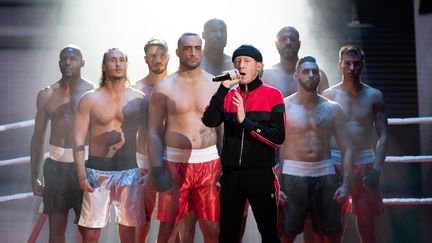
{"x": 16, "y": 125}
{"x": 415, "y": 120}
{"x": 16, "y": 196}
{"x": 407, "y": 201}
{"x": 17, "y": 161}
{"x": 408, "y": 159}
{"x": 391, "y": 121}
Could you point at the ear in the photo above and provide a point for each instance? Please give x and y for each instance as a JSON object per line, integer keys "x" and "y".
{"x": 295, "y": 76}
{"x": 260, "y": 66}
{"x": 339, "y": 65}
{"x": 177, "y": 52}
{"x": 82, "y": 63}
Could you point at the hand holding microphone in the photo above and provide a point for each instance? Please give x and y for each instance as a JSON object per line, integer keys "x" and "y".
{"x": 229, "y": 77}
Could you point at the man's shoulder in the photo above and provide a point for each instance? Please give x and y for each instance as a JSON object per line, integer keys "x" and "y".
{"x": 140, "y": 84}
{"x": 135, "y": 92}
{"x": 87, "y": 84}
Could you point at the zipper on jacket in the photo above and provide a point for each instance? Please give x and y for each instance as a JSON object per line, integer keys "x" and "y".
{"x": 243, "y": 130}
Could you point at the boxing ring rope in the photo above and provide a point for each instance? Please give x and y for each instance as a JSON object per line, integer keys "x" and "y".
{"x": 388, "y": 159}
{"x": 16, "y": 125}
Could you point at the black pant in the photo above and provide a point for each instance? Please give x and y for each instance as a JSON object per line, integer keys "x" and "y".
{"x": 257, "y": 185}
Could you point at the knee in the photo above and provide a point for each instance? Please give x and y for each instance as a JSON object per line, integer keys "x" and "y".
{"x": 210, "y": 230}
{"x": 89, "y": 234}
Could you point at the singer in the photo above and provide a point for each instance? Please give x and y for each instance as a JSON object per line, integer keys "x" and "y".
{"x": 253, "y": 115}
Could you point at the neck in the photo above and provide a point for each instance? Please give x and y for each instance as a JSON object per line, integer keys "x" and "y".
{"x": 351, "y": 84}
{"x": 307, "y": 98}
{"x": 70, "y": 82}
{"x": 213, "y": 54}
{"x": 189, "y": 73}
{"x": 153, "y": 78}
{"x": 288, "y": 65}
{"x": 116, "y": 85}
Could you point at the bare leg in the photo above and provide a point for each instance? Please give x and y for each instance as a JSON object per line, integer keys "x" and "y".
{"x": 210, "y": 230}
{"x": 309, "y": 236}
{"x": 57, "y": 227}
{"x": 126, "y": 233}
{"x": 141, "y": 233}
{"x": 175, "y": 234}
{"x": 366, "y": 228}
{"x": 187, "y": 227}
{"x": 332, "y": 238}
{"x": 89, "y": 235}
{"x": 165, "y": 230}
{"x": 288, "y": 238}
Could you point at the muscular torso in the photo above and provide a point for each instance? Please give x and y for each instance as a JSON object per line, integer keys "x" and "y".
{"x": 281, "y": 80}
{"x": 114, "y": 121}
{"x": 360, "y": 118}
{"x": 308, "y": 131}
{"x": 185, "y": 103}
{"x": 60, "y": 107}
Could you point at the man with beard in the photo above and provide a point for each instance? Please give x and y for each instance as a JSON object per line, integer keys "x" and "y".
{"x": 280, "y": 75}
{"x": 214, "y": 60}
{"x": 156, "y": 57}
{"x": 57, "y": 103}
{"x": 365, "y": 108}
{"x": 182, "y": 150}
{"x": 112, "y": 114}
{"x": 308, "y": 178}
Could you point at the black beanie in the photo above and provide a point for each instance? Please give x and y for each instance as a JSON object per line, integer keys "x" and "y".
{"x": 248, "y": 50}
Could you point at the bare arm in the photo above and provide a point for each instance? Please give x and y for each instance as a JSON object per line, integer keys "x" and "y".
{"x": 380, "y": 120}
{"x": 344, "y": 143}
{"x": 81, "y": 125}
{"x": 38, "y": 141}
{"x": 156, "y": 127}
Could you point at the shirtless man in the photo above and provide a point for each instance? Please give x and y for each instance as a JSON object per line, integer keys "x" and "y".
{"x": 156, "y": 57}
{"x": 112, "y": 112}
{"x": 365, "y": 110}
{"x": 181, "y": 145}
{"x": 57, "y": 103}
{"x": 308, "y": 176}
{"x": 280, "y": 75}
{"x": 214, "y": 60}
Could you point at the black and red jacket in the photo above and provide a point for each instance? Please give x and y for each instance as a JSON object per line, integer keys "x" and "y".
{"x": 252, "y": 143}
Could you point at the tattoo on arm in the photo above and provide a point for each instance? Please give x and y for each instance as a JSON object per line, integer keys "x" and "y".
{"x": 79, "y": 148}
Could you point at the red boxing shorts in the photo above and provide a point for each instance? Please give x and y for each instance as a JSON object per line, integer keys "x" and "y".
{"x": 148, "y": 191}
{"x": 194, "y": 173}
{"x": 365, "y": 201}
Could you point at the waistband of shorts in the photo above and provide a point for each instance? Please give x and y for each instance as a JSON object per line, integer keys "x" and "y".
{"x": 142, "y": 161}
{"x": 190, "y": 155}
{"x": 111, "y": 164}
{"x": 64, "y": 155}
{"x": 361, "y": 157}
{"x": 313, "y": 169}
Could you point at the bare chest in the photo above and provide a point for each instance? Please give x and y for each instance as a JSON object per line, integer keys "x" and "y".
{"x": 122, "y": 110}
{"x": 188, "y": 100}
{"x": 300, "y": 120}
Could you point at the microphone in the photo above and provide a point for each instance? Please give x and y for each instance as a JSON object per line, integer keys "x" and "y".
{"x": 224, "y": 77}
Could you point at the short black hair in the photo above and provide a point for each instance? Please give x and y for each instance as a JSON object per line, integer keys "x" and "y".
{"x": 305, "y": 59}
